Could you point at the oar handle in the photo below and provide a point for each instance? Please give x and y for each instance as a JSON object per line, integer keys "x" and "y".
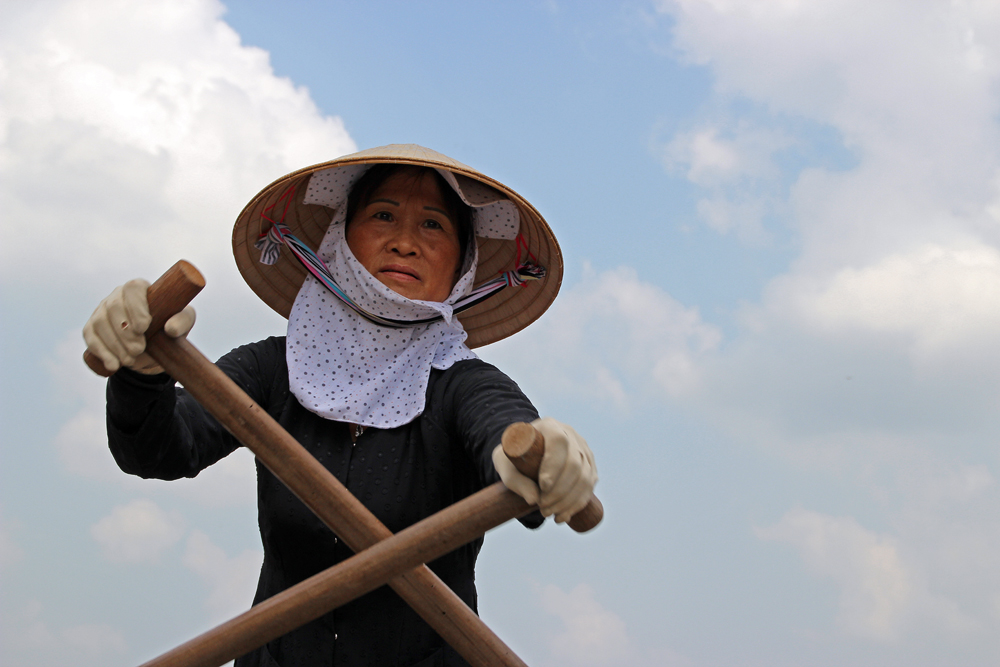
{"x": 524, "y": 445}
{"x": 308, "y": 479}
{"x": 167, "y": 296}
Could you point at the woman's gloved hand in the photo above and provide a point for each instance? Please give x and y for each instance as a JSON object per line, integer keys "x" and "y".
{"x": 566, "y": 477}
{"x": 115, "y": 332}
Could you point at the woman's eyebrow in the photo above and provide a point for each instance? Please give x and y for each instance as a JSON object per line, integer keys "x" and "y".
{"x": 426, "y": 208}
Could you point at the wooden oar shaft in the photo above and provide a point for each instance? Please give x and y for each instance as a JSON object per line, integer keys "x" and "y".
{"x": 420, "y": 543}
{"x": 323, "y": 493}
{"x": 302, "y": 474}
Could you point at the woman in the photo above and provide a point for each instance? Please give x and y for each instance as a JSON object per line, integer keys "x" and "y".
{"x": 375, "y": 378}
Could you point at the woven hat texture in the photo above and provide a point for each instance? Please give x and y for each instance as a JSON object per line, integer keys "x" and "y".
{"x": 502, "y": 315}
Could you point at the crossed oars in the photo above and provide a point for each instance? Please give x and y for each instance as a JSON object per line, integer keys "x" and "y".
{"x": 380, "y": 557}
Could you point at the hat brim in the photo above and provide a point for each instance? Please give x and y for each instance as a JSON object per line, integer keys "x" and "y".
{"x": 502, "y": 315}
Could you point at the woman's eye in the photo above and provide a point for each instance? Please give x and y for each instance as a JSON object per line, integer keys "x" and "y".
{"x": 433, "y": 224}
{"x": 383, "y": 215}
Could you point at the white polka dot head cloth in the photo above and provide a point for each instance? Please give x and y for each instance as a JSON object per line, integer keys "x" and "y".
{"x": 505, "y": 224}
{"x": 344, "y": 366}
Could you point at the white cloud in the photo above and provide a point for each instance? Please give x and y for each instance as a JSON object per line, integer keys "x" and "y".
{"x": 29, "y": 639}
{"x": 611, "y": 338}
{"x": 884, "y": 73}
{"x": 707, "y": 157}
{"x": 10, "y": 551}
{"x": 137, "y": 532}
{"x": 713, "y": 155}
{"x": 882, "y": 596}
{"x": 132, "y": 134}
{"x": 936, "y": 485}
{"x": 940, "y": 298}
{"x": 142, "y": 129}
{"x": 737, "y": 166}
{"x": 880, "y": 335}
{"x": 95, "y": 639}
{"x": 876, "y": 587}
{"x": 226, "y": 483}
{"x": 591, "y": 634}
{"x": 32, "y": 632}
{"x": 723, "y": 214}
{"x": 873, "y": 357}
{"x": 82, "y": 442}
{"x": 909, "y": 86}
{"x": 231, "y": 581}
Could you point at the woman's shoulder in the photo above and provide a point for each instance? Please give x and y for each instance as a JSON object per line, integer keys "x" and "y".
{"x": 260, "y": 359}
{"x": 268, "y": 347}
{"x": 468, "y": 368}
{"x": 469, "y": 376}
{"x": 476, "y": 401}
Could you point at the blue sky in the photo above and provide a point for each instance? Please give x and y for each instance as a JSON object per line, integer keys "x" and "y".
{"x": 781, "y": 227}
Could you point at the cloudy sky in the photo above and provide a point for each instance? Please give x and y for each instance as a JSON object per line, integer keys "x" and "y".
{"x": 778, "y": 328}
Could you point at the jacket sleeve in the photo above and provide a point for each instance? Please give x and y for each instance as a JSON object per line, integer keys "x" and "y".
{"x": 483, "y": 402}
{"x": 157, "y": 430}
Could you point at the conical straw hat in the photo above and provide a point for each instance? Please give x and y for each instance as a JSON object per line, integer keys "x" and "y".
{"x": 503, "y": 314}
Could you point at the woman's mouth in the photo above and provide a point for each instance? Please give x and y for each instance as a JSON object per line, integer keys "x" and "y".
{"x": 401, "y": 273}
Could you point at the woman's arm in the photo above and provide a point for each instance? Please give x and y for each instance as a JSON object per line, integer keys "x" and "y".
{"x": 482, "y": 402}
{"x": 486, "y": 402}
{"x": 156, "y": 429}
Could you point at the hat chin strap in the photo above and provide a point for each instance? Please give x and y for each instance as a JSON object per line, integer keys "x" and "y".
{"x": 279, "y": 235}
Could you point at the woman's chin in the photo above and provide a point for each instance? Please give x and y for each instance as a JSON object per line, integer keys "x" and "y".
{"x": 410, "y": 290}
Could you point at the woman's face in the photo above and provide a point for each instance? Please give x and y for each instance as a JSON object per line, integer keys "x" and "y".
{"x": 406, "y": 238}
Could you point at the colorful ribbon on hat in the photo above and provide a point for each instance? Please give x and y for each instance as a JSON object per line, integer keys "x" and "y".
{"x": 279, "y": 235}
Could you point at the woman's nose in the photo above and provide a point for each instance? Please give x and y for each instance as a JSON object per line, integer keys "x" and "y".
{"x": 404, "y": 241}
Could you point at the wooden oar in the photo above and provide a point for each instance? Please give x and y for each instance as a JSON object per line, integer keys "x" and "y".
{"x": 314, "y": 485}
{"x": 524, "y": 445}
{"x": 422, "y": 542}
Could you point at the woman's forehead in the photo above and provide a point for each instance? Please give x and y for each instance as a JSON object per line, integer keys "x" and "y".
{"x": 409, "y": 181}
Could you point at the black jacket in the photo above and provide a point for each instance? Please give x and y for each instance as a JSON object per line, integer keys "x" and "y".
{"x": 402, "y": 475}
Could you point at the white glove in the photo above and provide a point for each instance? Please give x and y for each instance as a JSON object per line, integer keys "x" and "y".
{"x": 115, "y": 332}
{"x": 566, "y": 477}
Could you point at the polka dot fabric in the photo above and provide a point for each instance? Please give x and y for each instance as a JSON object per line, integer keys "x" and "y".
{"x": 330, "y": 187}
{"x": 343, "y": 367}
